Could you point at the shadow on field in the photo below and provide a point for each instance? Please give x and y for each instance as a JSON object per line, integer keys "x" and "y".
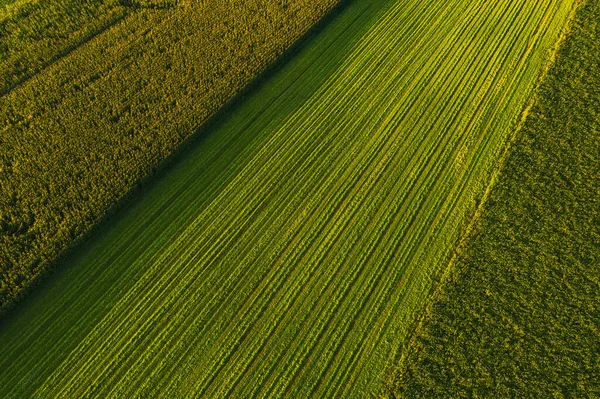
{"x": 125, "y": 204}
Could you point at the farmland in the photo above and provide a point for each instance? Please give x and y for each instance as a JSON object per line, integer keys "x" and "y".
{"x": 37, "y": 33}
{"x": 95, "y": 95}
{"x": 287, "y": 253}
{"x": 519, "y": 315}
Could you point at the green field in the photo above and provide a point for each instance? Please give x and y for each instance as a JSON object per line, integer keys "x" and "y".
{"x": 288, "y": 251}
{"x": 96, "y": 95}
{"x": 520, "y": 313}
{"x": 34, "y": 34}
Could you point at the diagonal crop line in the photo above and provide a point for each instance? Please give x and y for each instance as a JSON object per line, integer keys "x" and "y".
{"x": 298, "y": 272}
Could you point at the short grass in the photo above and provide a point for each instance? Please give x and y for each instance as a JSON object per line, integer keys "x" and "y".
{"x": 520, "y": 314}
{"x": 287, "y": 253}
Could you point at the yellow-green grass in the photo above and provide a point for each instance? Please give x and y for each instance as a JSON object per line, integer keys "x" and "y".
{"x": 95, "y": 95}
{"x": 287, "y": 253}
{"x": 519, "y": 314}
{"x": 36, "y": 33}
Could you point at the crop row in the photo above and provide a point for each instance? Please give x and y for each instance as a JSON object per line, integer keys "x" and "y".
{"x": 518, "y": 314}
{"x": 296, "y": 268}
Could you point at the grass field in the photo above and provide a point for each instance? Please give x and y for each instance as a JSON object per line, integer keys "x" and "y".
{"x": 287, "y": 253}
{"x": 96, "y": 95}
{"x": 520, "y": 313}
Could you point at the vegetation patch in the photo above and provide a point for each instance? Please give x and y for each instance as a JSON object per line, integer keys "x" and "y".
{"x": 152, "y": 4}
{"x": 519, "y": 315}
{"x": 35, "y": 34}
{"x": 288, "y": 253}
{"x": 94, "y": 96}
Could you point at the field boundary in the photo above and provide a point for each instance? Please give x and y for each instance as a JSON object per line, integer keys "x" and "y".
{"x": 473, "y": 224}
{"x": 160, "y": 169}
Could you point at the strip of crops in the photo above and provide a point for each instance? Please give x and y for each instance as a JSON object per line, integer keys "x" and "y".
{"x": 520, "y": 313}
{"x": 95, "y": 95}
{"x": 287, "y": 255}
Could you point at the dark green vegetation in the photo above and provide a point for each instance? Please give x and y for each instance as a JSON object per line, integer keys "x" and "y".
{"x": 286, "y": 254}
{"x": 520, "y": 313}
{"x": 95, "y": 94}
{"x": 36, "y": 33}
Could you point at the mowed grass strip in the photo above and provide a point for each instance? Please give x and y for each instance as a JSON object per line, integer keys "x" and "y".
{"x": 288, "y": 254}
{"x": 519, "y": 313}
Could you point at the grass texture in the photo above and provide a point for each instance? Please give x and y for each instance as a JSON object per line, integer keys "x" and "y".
{"x": 96, "y": 95}
{"x": 520, "y": 313}
{"x": 287, "y": 253}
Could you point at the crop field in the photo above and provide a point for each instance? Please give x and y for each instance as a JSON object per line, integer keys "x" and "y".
{"x": 95, "y": 95}
{"x": 519, "y": 315}
{"x": 37, "y": 33}
{"x": 288, "y": 252}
